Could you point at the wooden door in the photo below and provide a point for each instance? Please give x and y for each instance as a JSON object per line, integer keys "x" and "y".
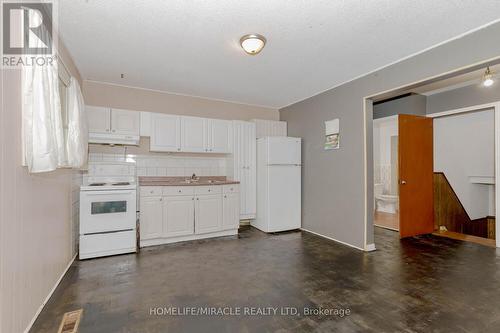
{"x": 416, "y": 204}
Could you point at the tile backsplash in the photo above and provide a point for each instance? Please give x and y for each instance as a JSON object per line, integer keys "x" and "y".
{"x": 168, "y": 165}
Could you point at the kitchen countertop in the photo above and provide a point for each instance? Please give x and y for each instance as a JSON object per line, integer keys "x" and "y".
{"x": 181, "y": 181}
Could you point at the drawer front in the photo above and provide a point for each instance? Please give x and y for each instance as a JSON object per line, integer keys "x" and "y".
{"x": 231, "y": 188}
{"x": 202, "y": 190}
{"x": 178, "y": 190}
{"x": 150, "y": 191}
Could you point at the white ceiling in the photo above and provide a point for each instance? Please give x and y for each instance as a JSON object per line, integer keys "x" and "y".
{"x": 191, "y": 46}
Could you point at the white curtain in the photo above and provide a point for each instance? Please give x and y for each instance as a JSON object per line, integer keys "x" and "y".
{"x": 43, "y": 135}
{"x": 77, "y": 139}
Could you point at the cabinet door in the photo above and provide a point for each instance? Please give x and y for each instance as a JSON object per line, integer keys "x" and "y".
{"x": 231, "y": 208}
{"x": 151, "y": 218}
{"x": 194, "y": 134}
{"x": 125, "y": 122}
{"x": 98, "y": 119}
{"x": 251, "y": 170}
{"x": 165, "y": 132}
{"x": 208, "y": 213}
{"x": 219, "y": 134}
{"x": 178, "y": 216}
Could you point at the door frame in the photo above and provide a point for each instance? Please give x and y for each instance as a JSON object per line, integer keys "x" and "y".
{"x": 496, "y": 109}
{"x": 368, "y": 158}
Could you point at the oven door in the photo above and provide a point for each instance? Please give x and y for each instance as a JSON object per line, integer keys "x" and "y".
{"x": 107, "y": 211}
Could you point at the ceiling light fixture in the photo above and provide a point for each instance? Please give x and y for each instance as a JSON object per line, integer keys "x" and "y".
{"x": 488, "y": 78}
{"x": 253, "y": 43}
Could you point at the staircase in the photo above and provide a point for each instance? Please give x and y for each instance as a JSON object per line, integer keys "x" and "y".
{"x": 450, "y": 213}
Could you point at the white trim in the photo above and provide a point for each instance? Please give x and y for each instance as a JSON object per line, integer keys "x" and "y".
{"x": 370, "y": 247}
{"x": 333, "y": 239}
{"x": 271, "y": 108}
{"x": 497, "y": 170}
{"x": 380, "y": 120}
{"x": 451, "y": 87}
{"x": 464, "y": 110}
{"x": 37, "y": 313}
{"x": 398, "y": 61}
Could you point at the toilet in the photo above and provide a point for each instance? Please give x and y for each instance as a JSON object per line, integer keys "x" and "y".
{"x": 385, "y": 202}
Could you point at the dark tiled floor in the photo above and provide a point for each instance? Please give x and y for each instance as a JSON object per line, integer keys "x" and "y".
{"x": 425, "y": 284}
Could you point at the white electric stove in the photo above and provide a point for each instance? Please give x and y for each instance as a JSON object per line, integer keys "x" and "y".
{"x": 108, "y": 213}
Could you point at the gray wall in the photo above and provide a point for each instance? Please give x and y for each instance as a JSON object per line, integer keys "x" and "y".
{"x": 413, "y": 104}
{"x": 334, "y": 181}
{"x": 463, "y": 97}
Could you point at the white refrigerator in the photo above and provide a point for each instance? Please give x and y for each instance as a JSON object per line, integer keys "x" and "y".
{"x": 278, "y": 184}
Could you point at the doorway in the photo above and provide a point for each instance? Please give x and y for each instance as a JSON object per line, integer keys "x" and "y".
{"x": 379, "y": 177}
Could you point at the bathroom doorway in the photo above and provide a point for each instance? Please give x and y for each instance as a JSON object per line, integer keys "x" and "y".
{"x": 385, "y": 162}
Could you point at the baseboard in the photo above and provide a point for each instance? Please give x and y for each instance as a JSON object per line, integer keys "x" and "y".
{"x": 37, "y": 313}
{"x": 244, "y": 222}
{"x": 370, "y": 247}
{"x": 333, "y": 239}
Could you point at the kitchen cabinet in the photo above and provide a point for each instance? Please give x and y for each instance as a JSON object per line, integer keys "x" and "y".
{"x": 165, "y": 132}
{"x": 113, "y": 126}
{"x": 231, "y": 210}
{"x": 98, "y": 119}
{"x": 177, "y": 213}
{"x": 208, "y": 213}
{"x": 151, "y": 217}
{"x": 125, "y": 122}
{"x": 189, "y": 134}
{"x": 219, "y": 134}
{"x": 178, "y": 216}
{"x": 194, "y": 134}
{"x": 244, "y": 166}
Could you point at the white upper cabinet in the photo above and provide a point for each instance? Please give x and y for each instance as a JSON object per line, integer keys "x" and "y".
{"x": 113, "y": 126}
{"x": 165, "y": 132}
{"x": 219, "y": 135}
{"x": 194, "y": 134}
{"x": 99, "y": 119}
{"x": 125, "y": 122}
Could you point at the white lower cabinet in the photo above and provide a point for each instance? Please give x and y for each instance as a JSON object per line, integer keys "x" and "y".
{"x": 151, "y": 217}
{"x": 178, "y": 216}
{"x": 231, "y": 211}
{"x": 182, "y": 213}
{"x": 208, "y": 213}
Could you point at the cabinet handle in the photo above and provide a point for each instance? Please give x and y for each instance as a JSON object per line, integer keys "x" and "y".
{"x": 192, "y": 198}
{"x": 209, "y": 190}
{"x": 161, "y": 199}
{"x": 113, "y": 131}
{"x": 197, "y": 198}
{"x": 225, "y": 197}
{"x": 179, "y": 191}
{"x": 178, "y": 149}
